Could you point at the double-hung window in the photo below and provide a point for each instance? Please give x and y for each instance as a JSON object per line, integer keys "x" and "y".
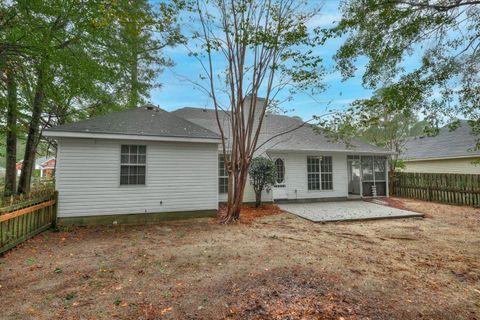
{"x": 319, "y": 173}
{"x": 133, "y": 161}
{"x": 222, "y": 175}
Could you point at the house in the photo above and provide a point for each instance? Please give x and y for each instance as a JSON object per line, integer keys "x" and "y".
{"x": 45, "y": 165}
{"x": 451, "y": 151}
{"x": 147, "y": 161}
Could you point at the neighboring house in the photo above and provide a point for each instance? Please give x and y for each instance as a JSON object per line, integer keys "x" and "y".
{"x": 46, "y": 166}
{"x": 447, "y": 152}
{"x": 147, "y": 160}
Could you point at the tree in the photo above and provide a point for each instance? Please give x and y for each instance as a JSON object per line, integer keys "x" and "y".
{"x": 11, "y": 137}
{"x": 71, "y": 59}
{"x": 142, "y": 34}
{"x": 261, "y": 47}
{"x": 263, "y": 174}
{"x": 387, "y": 127}
{"x": 8, "y": 69}
{"x": 444, "y": 33}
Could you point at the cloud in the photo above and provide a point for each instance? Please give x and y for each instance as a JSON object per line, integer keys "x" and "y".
{"x": 324, "y": 20}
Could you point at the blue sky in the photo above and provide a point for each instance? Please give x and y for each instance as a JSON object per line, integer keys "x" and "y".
{"x": 176, "y": 92}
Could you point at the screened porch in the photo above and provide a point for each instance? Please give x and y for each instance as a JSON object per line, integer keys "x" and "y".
{"x": 367, "y": 176}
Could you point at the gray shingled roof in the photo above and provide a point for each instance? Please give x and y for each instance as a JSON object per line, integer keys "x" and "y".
{"x": 447, "y": 144}
{"x": 147, "y": 121}
{"x": 302, "y": 138}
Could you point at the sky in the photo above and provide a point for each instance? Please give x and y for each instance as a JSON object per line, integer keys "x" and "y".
{"x": 177, "y": 92}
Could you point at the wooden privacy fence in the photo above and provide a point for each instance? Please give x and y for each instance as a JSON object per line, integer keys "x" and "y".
{"x": 458, "y": 189}
{"x": 21, "y": 222}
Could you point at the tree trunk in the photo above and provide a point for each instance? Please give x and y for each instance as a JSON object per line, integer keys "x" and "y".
{"x": 258, "y": 198}
{"x": 235, "y": 195}
{"x": 33, "y": 130}
{"x": 11, "y": 139}
{"x": 133, "y": 96}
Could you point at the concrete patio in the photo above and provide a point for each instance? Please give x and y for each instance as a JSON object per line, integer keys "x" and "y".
{"x": 345, "y": 211}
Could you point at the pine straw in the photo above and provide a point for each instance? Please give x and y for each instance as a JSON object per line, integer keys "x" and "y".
{"x": 249, "y": 212}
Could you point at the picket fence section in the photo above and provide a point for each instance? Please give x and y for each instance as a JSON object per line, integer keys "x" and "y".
{"x": 20, "y": 222}
{"x": 457, "y": 189}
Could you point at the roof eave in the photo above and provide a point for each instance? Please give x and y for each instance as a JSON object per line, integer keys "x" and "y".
{"x": 442, "y": 158}
{"x": 330, "y": 150}
{"x": 118, "y": 136}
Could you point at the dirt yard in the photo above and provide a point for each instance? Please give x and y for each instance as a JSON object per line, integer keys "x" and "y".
{"x": 274, "y": 267}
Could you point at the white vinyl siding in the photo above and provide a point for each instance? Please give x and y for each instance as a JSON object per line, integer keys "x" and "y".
{"x": 459, "y": 165}
{"x": 296, "y": 176}
{"x": 180, "y": 176}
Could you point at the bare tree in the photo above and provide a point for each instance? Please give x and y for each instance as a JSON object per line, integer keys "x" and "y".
{"x": 263, "y": 48}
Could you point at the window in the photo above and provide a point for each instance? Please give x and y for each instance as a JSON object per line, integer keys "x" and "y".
{"x": 133, "y": 161}
{"x": 280, "y": 166}
{"x": 319, "y": 173}
{"x": 327, "y": 173}
{"x": 222, "y": 175}
{"x": 313, "y": 168}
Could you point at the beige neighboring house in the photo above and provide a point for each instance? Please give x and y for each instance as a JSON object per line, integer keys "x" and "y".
{"x": 447, "y": 152}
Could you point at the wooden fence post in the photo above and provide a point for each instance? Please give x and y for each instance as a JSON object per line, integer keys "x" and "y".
{"x": 55, "y": 210}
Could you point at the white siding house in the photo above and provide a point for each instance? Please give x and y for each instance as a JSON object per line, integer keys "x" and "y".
{"x": 340, "y": 179}
{"x": 450, "y": 151}
{"x": 180, "y": 176}
{"x": 147, "y": 162}
{"x": 142, "y": 162}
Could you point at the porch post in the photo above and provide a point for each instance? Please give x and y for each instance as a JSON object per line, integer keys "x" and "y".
{"x": 387, "y": 182}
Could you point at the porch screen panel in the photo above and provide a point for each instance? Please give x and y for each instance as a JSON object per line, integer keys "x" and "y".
{"x": 380, "y": 168}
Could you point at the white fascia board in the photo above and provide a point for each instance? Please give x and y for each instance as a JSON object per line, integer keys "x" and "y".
{"x": 88, "y": 135}
{"x": 383, "y": 153}
{"x": 442, "y": 158}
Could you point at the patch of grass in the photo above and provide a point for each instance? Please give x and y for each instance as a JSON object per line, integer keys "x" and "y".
{"x": 69, "y": 297}
{"x": 66, "y": 229}
{"x": 117, "y": 301}
{"x": 97, "y": 284}
{"x": 167, "y": 294}
{"x": 58, "y": 270}
{"x": 31, "y": 261}
{"x": 162, "y": 269}
{"x": 49, "y": 297}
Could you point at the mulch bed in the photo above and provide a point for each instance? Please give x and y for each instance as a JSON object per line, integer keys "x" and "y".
{"x": 249, "y": 212}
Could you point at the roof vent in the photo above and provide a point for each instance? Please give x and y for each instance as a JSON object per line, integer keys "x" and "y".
{"x": 150, "y": 107}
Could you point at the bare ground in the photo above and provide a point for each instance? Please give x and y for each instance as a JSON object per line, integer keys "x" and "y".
{"x": 276, "y": 267}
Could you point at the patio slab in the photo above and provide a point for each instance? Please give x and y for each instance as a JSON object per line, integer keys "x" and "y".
{"x": 345, "y": 211}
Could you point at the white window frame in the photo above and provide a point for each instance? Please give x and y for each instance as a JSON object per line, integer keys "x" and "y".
{"x": 322, "y": 173}
{"x": 137, "y": 164}
{"x": 224, "y": 176}
{"x": 314, "y": 173}
{"x": 284, "y": 182}
{"x": 319, "y": 173}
